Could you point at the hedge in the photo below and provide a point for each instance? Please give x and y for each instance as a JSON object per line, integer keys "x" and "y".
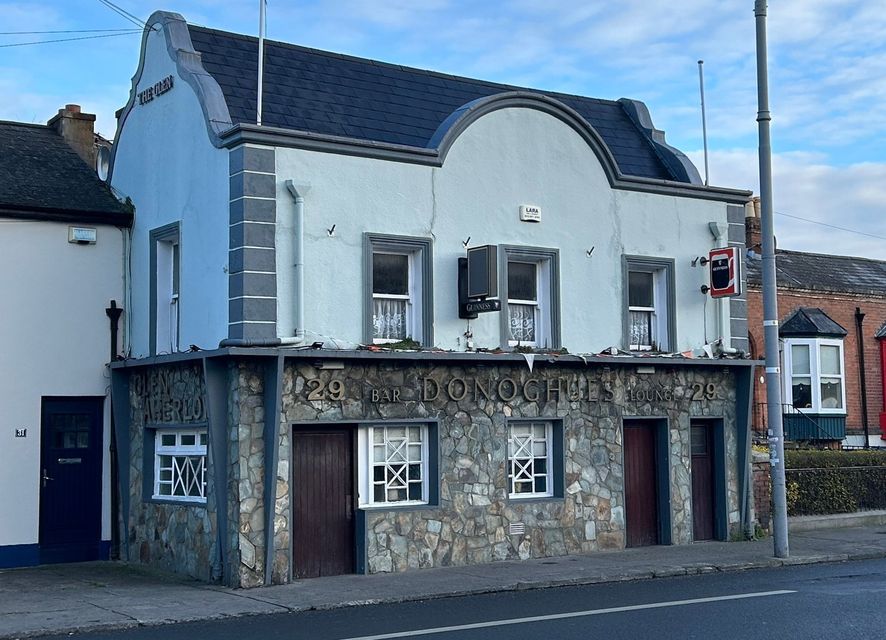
{"x": 825, "y": 459}
{"x": 822, "y": 482}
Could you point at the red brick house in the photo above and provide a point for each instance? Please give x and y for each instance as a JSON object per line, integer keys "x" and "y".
{"x": 832, "y": 324}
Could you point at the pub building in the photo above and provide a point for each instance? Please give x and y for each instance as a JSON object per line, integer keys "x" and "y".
{"x": 414, "y": 320}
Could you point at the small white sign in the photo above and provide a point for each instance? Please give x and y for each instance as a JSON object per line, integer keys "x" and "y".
{"x": 530, "y": 213}
{"x": 82, "y": 235}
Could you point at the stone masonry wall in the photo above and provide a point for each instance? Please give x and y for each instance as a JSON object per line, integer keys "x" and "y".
{"x": 175, "y": 537}
{"x": 470, "y": 523}
{"x": 246, "y": 484}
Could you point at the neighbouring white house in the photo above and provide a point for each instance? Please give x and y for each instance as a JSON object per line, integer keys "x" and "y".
{"x": 319, "y": 380}
{"x": 61, "y": 270}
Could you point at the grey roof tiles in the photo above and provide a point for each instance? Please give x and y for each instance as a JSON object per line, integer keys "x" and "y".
{"x": 810, "y": 322}
{"x": 332, "y": 94}
{"x": 41, "y": 173}
{"x": 820, "y": 272}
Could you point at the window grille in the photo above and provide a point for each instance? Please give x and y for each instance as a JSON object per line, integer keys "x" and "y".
{"x": 529, "y": 459}
{"x": 180, "y": 465}
{"x": 399, "y": 459}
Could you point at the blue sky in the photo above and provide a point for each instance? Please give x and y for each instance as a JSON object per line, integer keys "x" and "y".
{"x": 827, "y": 77}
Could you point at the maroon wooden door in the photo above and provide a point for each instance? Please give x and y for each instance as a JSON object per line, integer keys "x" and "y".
{"x": 641, "y": 499}
{"x": 322, "y": 503}
{"x": 702, "y": 482}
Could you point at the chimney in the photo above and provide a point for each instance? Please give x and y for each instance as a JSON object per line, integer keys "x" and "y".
{"x": 753, "y": 235}
{"x": 78, "y": 130}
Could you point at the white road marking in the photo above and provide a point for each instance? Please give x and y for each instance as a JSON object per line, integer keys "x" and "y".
{"x": 571, "y": 614}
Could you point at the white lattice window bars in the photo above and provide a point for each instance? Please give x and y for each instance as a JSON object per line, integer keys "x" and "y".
{"x": 180, "y": 465}
{"x": 398, "y": 456}
{"x": 529, "y": 459}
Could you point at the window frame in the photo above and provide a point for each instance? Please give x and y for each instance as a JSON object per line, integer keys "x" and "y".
{"x": 179, "y": 450}
{"x": 549, "y": 466}
{"x": 547, "y": 261}
{"x": 366, "y": 465}
{"x": 167, "y": 287}
{"x": 555, "y": 460}
{"x": 815, "y": 375}
{"x": 420, "y": 305}
{"x": 664, "y": 310}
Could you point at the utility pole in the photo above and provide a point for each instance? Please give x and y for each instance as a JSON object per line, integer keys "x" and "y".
{"x": 770, "y": 299}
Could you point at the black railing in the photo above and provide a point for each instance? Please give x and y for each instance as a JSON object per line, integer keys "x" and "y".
{"x": 813, "y": 430}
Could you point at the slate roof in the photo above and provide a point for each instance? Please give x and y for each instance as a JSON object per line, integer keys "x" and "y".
{"x": 821, "y": 272}
{"x": 41, "y": 174}
{"x": 328, "y": 93}
{"x": 810, "y": 322}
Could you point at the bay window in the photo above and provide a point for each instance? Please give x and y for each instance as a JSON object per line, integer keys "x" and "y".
{"x": 814, "y": 375}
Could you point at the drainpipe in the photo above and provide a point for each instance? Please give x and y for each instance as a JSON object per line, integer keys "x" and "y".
{"x": 299, "y": 197}
{"x": 881, "y": 338}
{"x": 720, "y": 232}
{"x": 859, "y": 341}
{"x": 113, "y": 312}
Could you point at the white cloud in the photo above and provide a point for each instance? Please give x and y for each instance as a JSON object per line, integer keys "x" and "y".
{"x": 805, "y": 185}
{"x": 827, "y": 76}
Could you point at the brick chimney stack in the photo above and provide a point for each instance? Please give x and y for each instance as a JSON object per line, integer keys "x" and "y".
{"x": 753, "y": 238}
{"x": 78, "y": 130}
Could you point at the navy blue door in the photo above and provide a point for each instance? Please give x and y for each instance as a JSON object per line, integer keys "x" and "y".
{"x": 70, "y": 479}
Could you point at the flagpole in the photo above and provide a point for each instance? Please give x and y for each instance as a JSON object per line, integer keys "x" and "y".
{"x": 261, "y": 61}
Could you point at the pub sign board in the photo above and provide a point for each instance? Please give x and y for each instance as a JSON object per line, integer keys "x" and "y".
{"x": 470, "y": 308}
{"x": 725, "y": 272}
{"x": 483, "y": 272}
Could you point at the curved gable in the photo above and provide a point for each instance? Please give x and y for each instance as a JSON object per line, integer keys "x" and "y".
{"x": 190, "y": 69}
{"x": 462, "y": 118}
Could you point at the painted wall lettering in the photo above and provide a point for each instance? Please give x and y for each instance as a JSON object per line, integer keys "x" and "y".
{"x": 157, "y": 89}
{"x": 570, "y": 388}
{"x": 170, "y": 395}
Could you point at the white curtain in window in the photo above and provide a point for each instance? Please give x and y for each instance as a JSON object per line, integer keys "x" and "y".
{"x": 641, "y": 328}
{"x": 521, "y": 318}
{"x": 389, "y": 319}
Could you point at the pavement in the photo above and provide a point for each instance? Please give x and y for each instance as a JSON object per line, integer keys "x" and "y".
{"x": 56, "y": 599}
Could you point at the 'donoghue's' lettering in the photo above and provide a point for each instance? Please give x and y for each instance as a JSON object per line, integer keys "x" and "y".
{"x": 508, "y": 389}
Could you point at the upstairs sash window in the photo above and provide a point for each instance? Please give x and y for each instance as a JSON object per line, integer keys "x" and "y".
{"x": 523, "y": 303}
{"x": 391, "y": 297}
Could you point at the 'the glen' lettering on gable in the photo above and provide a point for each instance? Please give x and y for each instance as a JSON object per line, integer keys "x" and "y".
{"x": 158, "y": 89}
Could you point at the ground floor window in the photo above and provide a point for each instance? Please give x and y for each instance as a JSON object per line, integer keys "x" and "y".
{"x": 397, "y": 464}
{"x": 530, "y": 468}
{"x": 180, "y": 464}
